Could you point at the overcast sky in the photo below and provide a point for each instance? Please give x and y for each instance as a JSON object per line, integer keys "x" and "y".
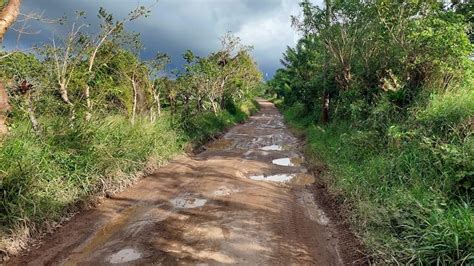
{"x": 177, "y": 25}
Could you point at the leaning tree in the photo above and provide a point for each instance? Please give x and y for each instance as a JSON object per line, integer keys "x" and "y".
{"x": 8, "y": 14}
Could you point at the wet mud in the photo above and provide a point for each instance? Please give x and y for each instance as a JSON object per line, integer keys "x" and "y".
{"x": 244, "y": 200}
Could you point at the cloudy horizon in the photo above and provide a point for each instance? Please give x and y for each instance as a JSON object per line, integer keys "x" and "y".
{"x": 176, "y": 26}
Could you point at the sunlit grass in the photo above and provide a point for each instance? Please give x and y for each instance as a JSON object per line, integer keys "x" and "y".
{"x": 41, "y": 177}
{"x": 408, "y": 199}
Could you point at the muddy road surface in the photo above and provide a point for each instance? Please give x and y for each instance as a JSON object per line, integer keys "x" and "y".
{"x": 243, "y": 200}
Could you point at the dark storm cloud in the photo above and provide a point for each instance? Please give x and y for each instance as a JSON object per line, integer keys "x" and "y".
{"x": 177, "y": 25}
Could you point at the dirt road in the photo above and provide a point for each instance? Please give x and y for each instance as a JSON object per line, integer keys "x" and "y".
{"x": 244, "y": 200}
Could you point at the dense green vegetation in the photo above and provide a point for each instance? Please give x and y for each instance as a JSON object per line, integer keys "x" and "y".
{"x": 384, "y": 92}
{"x": 87, "y": 114}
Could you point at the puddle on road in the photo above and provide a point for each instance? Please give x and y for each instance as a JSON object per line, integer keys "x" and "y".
{"x": 295, "y": 161}
{"x": 283, "y": 162}
{"x": 283, "y": 178}
{"x": 272, "y": 148}
{"x": 315, "y": 213}
{"x": 154, "y": 215}
{"x": 251, "y": 152}
{"x": 299, "y": 179}
{"x": 103, "y": 235}
{"x": 247, "y": 153}
{"x": 188, "y": 203}
{"x": 124, "y": 255}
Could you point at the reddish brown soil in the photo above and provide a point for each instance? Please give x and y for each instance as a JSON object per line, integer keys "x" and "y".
{"x": 226, "y": 205}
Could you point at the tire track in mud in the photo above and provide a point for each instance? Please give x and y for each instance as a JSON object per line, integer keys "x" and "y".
{"x": 243, "y": 200}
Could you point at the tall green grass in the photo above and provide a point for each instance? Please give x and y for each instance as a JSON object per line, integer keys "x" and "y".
{"x": 43, "y": 177}
{"x": 410, "y": 186}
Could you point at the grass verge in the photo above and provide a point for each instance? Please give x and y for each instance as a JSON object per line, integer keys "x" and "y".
{"x": 399, "y": 191}
{"x": 44, "y": 179}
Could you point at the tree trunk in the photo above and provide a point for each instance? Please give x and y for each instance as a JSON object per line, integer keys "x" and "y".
{"x": 64, "y": 94}
{"x": 4, "y": 108}
{"x": 158, "y": 104}
{"x": 8, "y": 15}
{"x": 325, "y": 109}
{"x": 87, "y": 89}
{"x": 221, "y": 101}
{"x": 214, "y": 106}
{"x": 172, "y": 105}
{"x": 186, "y": 105}
{"x": 134, "y": 107}
{"x": 156, "y": 97}
{"x": 88, "y": 103}
{"x": 3, "y": 125}
{"x": 31, "y": 114}
{"x": 152, "y": 114}
{"x": 199, "y": 104}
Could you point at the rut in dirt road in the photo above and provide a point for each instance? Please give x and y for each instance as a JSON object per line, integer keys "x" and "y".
{"x": 241, "y": 201}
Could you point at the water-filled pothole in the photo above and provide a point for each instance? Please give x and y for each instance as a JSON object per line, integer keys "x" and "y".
{"x": 124, "y": 255}
{"x": 255, "y": 153}
{"x": 314, "y": 211}
{"x": 188, "y": 202}
{"x": 299, "y": 179}
{"x": 283, "y": 162}
{"x": 273, "y": 147}
{"x": 283, "y": 178}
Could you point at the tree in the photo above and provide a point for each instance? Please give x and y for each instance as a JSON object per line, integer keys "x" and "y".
{"x": 118, "y": 74}
{"x": 371, "y": 48}
{"x": 108, "y": 27}
{"x": 221, "y": 77}
{"x": 326, "y": 95}
{"x": 66, "y": 58}
{"x": 157, "y": 65}
{"x": 8, "y": 15}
